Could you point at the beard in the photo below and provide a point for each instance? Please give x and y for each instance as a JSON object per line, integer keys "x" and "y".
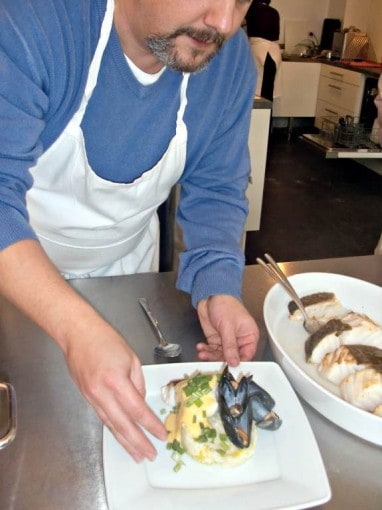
{"x": 164, "y": 48}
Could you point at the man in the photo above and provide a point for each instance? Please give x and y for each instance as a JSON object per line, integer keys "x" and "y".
{"x": 104, "y": 106}
{"x": 263, "y": 29}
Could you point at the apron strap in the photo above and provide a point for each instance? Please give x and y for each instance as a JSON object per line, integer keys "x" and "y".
{"x": 95, "y": 65}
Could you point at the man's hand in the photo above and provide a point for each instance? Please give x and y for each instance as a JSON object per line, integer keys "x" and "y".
{"x": 231, "y": 332}
{"x": 102, "y": 364}
{"x": 110, "y": 377}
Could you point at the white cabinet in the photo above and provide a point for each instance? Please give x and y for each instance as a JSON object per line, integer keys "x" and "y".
{"x": 299, "y": 87}
{"x": 258, "y": 149}
{"x": 339, "y": 94}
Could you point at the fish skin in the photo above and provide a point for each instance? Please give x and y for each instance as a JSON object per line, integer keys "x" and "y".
{"x": 320, "y": 305}
{"x": 363, "y": 331}
{"x": 325, "y": 340}
{"x": 346, "y": 360}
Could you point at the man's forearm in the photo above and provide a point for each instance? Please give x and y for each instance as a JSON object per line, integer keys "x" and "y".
{"x": 32, "y": 283}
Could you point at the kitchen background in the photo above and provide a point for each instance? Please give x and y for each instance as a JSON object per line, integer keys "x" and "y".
{"x": 313, "y": 207}
{"x": 299, "y": 17}
{"x": 302, "y": 205}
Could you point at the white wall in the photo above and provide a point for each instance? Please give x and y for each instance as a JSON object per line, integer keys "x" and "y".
{"x": 374, "y": 30}
{"x": 357, "y": 13}
{"x": 337, "y": 9}
{"x": 311, "y": 11}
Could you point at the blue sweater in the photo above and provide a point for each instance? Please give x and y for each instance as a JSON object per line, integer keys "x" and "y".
{"x": 46, "y": 47}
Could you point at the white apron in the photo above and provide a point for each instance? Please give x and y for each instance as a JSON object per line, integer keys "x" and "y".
{"x": 260, "y": 47}
{"x": 89, "y": 226}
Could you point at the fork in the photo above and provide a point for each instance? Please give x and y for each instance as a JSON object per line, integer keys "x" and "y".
{"x": 273, "y": 269}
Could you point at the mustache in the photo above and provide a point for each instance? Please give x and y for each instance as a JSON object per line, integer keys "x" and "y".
{"x": 206, "y": 36}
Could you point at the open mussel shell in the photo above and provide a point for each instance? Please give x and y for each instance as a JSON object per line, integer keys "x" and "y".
{"x": 261, "y": 404}
{"x": 233, "y": 404}
{"x": 240, "y": 404}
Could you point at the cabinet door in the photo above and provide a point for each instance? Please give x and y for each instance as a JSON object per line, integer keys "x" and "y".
{"x": 299, "y": 87}
{"x": 258, "y": 148}
{"x": 343, "y": 75}
{"x": 328, "y": 111}
{"x": 344, "y": 95}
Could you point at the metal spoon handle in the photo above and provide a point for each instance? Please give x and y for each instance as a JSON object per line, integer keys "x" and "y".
{"x": 143, "y": 302}
{"x": 276, "y": 273}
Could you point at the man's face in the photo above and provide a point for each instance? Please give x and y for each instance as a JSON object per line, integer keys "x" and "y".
{"x": 184, "y": 34}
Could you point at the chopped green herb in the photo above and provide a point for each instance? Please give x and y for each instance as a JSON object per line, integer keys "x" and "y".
{"x": 176, "y": 455}
{"x": 176, "y": 407}
{"x": 178, "y": 466}
{"x": 207, "y": 435}
{"x": 199, "y": 384}
{"x": 163, "y": 411}
{"x": 176, "y": 446}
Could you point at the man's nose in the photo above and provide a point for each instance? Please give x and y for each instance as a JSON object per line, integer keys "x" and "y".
{"x": 220, "y": 15}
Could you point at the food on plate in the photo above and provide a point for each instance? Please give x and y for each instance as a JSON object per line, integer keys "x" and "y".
{"x": 214, "y": 417}
{"x": 348, "y": 359}
{"x": 325, "y": 340}
{"x": 363, "y": 330}
{"x": 347, "y": 349}
{"x": 320, "y": 305}
{"x": 364, "y": 388}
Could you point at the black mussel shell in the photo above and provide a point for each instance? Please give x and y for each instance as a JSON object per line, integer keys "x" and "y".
{"x": 237, "y": 426}
{"x": 254, "y": 390}
{"x": 242, "y": 403}
{"x": 264, "y": 417}
{"x": 233, "y": 408}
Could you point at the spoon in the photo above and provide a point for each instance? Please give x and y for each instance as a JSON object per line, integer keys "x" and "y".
{"x": 273, "y": 269}
{"x": 163, "y": 348}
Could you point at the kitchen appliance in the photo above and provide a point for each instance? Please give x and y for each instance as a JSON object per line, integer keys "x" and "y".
{"x": 350, "y": 45}
{"x": 350, "y": 137}
{"x": 329, "y": 26}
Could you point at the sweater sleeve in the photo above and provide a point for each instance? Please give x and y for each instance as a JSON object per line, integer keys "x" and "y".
{"x": 22, "y": 103}
{"x": 40, "y": 53}
{"x": 213, "y": 205}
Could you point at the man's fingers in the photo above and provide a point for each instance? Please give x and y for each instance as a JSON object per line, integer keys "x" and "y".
{"x": 128, "y": 416}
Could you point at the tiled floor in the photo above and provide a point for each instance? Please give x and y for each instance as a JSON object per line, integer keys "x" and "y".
{"x": 315, "y": 208}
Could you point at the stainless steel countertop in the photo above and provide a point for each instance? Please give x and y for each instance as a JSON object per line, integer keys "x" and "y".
{"x": 55, "y": 462}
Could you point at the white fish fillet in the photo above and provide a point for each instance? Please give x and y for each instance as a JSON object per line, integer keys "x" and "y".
{"x": 328, "y": 345}
{"x": 326, "y": 307}
{"x": 363, "y": 331}
{"x": 363, "y": 389}
{"x": 324, "y": 341}
{"x": 378, "y": 410}
{"x": 337, "y": 365}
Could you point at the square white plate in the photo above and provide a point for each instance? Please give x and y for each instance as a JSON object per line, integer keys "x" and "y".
{"x": 288, "y": 338}
{"x": 286, "y": 471}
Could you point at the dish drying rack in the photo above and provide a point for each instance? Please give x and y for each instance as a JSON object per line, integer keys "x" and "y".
{"x": 349, "y": 132}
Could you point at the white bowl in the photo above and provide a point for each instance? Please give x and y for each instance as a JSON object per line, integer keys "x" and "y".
{"x": 287, "y": 339}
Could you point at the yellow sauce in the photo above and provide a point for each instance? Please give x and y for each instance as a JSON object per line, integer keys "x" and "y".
{"x": 190, "y": 415}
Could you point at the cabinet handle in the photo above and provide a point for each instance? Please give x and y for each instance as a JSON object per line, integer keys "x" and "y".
{"x": 331, "y": 111}
{"x": 334, "y": 87}
{"x": 336, "y": 74}
{"x": 10, "y": 396}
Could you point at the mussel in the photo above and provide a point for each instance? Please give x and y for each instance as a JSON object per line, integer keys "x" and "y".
{"x": 242, "y": 403}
